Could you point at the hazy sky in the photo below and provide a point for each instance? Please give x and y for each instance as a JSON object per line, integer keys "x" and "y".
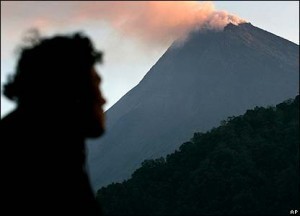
{"x": 133, "y": 35}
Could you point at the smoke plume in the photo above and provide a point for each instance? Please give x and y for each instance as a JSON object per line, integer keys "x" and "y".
{"x": 158, "y": 22}
{"x": 151, "y": 22}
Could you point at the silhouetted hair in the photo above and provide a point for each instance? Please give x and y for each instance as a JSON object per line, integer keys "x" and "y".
{"x": 54, "y": 68}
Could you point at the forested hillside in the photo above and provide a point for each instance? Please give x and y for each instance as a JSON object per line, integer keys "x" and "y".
{"x": 249, "y": 165}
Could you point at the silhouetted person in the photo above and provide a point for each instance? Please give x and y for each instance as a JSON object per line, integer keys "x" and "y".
{"x": 59, "y": 105}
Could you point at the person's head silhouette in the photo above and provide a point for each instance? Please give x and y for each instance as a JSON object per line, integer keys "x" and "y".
{"x": 59, "y": 104}
{"x": 57, "y": 76}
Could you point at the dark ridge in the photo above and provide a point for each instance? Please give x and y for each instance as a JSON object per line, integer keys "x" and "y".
{"x": 247, "y": 166}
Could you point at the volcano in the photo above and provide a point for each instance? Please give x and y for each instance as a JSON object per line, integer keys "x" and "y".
{"x": 192, "y": 88}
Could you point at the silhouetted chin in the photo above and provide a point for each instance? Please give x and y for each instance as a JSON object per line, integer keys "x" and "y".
{"x": 95, "y": 132}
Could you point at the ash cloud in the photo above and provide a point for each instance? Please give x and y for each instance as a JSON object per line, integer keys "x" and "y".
{"x": 150, "y": 22}
{"x": 158, "y": 22}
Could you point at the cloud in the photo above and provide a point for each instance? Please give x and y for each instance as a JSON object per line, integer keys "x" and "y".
{"x": 157, "y": 22}
{"x": 150, "y": 22}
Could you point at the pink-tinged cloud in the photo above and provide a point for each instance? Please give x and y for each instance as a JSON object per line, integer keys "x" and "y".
{"x": 157, "y": 22}
{"x": 151, "y": 22}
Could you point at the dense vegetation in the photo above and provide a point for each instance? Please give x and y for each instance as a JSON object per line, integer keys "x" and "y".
{"x": 247, "y": 166}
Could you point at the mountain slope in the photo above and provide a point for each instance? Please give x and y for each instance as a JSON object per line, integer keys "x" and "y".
{"x": 247, "y": 166}
{"x": 191, "y": 88}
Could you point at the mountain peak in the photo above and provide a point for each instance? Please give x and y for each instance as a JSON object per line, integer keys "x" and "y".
{"x": 231, "y": 26}
{"x": 192, "y": 87}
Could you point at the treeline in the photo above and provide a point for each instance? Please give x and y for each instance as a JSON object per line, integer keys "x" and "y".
{"x": 247, "y": 166}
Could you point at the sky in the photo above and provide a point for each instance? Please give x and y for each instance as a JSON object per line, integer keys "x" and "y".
{"x": 133, "y": 35}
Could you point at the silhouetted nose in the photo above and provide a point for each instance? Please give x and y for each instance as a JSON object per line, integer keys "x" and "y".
{"x": 102, "y": 101}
